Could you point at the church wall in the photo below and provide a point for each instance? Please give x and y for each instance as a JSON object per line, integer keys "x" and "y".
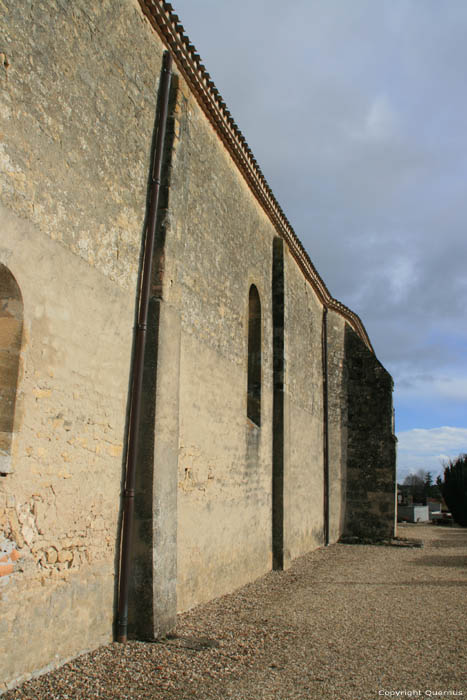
{"x": 218, "y": 244}
{"x": 77, "y": 112}
{"x": 78, "y": 106}
{"x": 371, "y": 444}
{"x": 59, "y": 505}
{"x": 79, "y": 90}
{"x": 337, "y": 423}
{"x": 304, "y": 509}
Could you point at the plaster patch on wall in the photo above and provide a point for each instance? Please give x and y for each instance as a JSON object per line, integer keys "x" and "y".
{"x": 27, "y": 520}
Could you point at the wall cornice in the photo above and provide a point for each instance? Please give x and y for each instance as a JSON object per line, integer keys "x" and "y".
{"x": 172, "y": 33}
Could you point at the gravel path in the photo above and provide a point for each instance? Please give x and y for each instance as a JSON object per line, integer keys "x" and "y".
{"x": 348, "y": 622}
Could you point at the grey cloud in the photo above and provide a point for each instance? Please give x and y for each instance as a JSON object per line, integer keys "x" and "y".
{"x": 356, "y": 113}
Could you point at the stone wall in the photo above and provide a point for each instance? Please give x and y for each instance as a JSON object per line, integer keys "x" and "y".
{"x": 337, "y": 423}
{"x": 78, "y": 105}
{"x": 59, "y": 504}
{"x": 79, "y": 84}
{"x": 304, "y": 414}
{"x": 212, "y": 258}
{"x": 371, "y": 447}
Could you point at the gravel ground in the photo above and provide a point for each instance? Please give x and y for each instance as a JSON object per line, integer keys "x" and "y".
{"x": 347, "y": 622}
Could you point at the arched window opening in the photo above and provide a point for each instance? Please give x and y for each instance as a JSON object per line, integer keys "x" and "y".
{"x": 11, "y": 327}
{"x": 254, "y": 357}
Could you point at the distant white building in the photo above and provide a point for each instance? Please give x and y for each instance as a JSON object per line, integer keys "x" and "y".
{"x": 413, "y": 514}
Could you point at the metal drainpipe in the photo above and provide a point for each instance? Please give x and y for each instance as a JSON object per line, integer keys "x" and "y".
{"x": 325, "y": 425}
{"x": 138, "y": 357}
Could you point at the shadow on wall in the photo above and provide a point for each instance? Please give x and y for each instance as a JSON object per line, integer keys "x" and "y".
{"x": 371, "y": 447}
{"x": 141, "y": 622}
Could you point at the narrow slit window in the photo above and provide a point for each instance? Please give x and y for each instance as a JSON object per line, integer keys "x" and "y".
{"x": 254, "y": 357}
{"x": 11, "y": 326}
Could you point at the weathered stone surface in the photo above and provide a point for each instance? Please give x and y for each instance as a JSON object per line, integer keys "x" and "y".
{"x": 370, "y": 509}
{"x": 77, "y": 113}
{"x": 63, "y": 481}
{"x": 337, "y": 423}
{"x": 78, "y": 108}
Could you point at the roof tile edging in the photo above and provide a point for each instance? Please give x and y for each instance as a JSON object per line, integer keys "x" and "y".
{"x": 167, "y": 24}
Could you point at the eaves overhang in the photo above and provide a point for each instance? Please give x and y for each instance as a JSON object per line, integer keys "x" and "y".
{"x": 167, "y": 25}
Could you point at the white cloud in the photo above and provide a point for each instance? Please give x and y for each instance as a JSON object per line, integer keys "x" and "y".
{"x": 427, "y": 449}
{"x": 402, "y": 278}
{"x": 379, "y": 123}
{"x": 381, "y": 118}
{"x": 425, "y": 386}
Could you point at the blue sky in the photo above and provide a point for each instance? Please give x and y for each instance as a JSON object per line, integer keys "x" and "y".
{"x": 357, "y": 114}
